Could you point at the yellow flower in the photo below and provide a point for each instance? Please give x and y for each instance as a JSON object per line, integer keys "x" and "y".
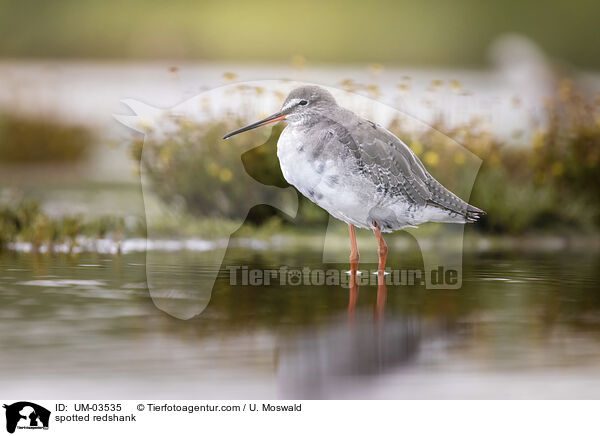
{"x": 459, "y": 158}
{"x": 375, "y": 68}
{"x": 565, "y": 90}
{"x": 557, "y": 169}
{"x": 225, "y": 175}
{"x": 230, "y": 77}
{"x": 493, "y": 159}
{"x": 348, "y": 85}
{"x": 538, "y": 140}
{"x": 186, "y": 123}
{"x": 416, "y": 147}
{"x": 374, "y": 90}
{"x": 298, "y": 61}
{"x": 432, "y": 158}
{"x": 456, "y": 85}
{"x": 213, "y": 169}
{"x": 165, "y": 155}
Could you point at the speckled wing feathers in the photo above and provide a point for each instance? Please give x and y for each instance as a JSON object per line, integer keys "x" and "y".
{"x": 396, "y": 170}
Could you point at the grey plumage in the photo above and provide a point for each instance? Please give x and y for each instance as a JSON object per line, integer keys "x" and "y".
{"x": 394, "y": 168}
{"x": 357, "y": 170}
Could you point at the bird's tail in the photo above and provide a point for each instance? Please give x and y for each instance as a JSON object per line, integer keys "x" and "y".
{"x": 473, "y": 213}
{"x": 457, "y": 210}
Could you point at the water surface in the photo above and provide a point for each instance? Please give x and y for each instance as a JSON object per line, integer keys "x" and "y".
{"x": 524, "y": 325}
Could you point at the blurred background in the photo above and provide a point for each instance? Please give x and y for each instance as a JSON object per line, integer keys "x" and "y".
{"x": 516, "y": 85}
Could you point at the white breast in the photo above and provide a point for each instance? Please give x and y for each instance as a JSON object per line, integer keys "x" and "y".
{"x": 325, "y": 182}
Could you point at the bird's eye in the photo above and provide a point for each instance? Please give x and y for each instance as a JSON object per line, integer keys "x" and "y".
{"x": 303, "y": 103}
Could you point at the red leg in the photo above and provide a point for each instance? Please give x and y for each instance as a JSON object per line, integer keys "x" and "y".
{"x": 383, "y": 249}
{"x": 381, "y": 288}
{"x": 354, "y": 256}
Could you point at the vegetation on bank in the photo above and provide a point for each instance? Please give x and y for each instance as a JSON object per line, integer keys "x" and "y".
{"x": 29, "y": 139}
{"x": 24, "y": 221}
{"x": 550, "y": 185}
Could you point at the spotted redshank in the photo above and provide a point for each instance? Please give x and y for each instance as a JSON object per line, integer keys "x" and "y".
{"x": 358, "y": 171}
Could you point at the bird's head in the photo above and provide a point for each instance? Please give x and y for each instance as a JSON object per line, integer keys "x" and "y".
{"x": 302, "y": 103}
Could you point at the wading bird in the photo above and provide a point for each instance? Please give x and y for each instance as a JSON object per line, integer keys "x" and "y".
{"x": 358, "y": 171}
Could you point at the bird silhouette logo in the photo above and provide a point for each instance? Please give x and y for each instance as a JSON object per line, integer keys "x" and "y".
{"x": 182, "y": 147}
{"x": 26, "y": 415}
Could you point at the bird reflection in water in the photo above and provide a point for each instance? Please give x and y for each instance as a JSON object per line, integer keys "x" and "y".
{"x": 381, "y": 288}
{"x": 353, "y": 294}
{"x": 344, "y": 357}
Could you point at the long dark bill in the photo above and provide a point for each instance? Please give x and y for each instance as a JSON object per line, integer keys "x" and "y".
{"x": 279, "y": 116}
